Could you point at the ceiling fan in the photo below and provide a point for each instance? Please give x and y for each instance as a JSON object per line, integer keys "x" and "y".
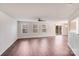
{"x": 40, "y": 19}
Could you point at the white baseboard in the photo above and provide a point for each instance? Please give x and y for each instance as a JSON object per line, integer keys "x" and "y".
{"x": 72, "y": 49}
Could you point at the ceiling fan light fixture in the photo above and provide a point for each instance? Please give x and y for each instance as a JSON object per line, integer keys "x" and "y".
{"x": 39, "y": 19}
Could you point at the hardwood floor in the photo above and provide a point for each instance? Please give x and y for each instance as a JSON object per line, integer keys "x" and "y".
{"x": 47, "y": 46}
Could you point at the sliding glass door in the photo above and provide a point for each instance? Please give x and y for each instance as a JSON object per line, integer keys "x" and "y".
{"x": 58, "y": 30}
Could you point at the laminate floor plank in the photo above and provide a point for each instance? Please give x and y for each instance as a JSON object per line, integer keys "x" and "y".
{"x": 46, "y": 46}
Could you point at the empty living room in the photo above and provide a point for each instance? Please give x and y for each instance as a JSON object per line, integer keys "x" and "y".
{"x": 39, "y": 29}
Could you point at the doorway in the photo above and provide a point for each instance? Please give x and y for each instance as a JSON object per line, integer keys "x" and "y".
{"x": 58, "y": 30}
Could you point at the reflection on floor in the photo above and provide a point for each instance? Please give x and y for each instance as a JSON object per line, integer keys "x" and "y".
{"x": 47, "y": 46}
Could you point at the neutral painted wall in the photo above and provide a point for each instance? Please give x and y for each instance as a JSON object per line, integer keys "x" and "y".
{"x": 8, "y": 31}
{"x": 78, "y": 25}
{"x": 74, "y": 25}
{"x": 50, "y": 29}
{"x": 74, "y": 42}
{"x": 73, "y": 35}
{"x": 65, "y": 29}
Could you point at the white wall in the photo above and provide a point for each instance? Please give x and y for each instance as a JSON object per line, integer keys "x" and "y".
{"x": 64, "y": 29}
{"x": 74, "y": 42}
{"x": 73, "y": 36}
{"x": 50, "y": 29}
{"x": 8, "y": 31}
{"x": 78, "y": 26}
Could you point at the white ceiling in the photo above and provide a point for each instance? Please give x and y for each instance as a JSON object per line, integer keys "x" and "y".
{"x": 51, "y": 11}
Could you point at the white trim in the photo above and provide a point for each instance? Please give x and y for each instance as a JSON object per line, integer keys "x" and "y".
{"x": 8, "y": 47}
{"x": 72, "y": 49}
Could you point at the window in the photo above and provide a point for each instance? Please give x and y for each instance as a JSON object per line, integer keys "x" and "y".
{"x": 35, "y": 28}
{"x": 24, "y": 28}
{"x": 43, "y": 28}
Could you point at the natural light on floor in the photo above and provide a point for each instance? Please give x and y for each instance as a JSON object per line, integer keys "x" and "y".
{"x": 58, "y": 40}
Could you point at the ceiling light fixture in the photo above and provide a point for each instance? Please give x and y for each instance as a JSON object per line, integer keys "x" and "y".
{"x": 40, "y": 19}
